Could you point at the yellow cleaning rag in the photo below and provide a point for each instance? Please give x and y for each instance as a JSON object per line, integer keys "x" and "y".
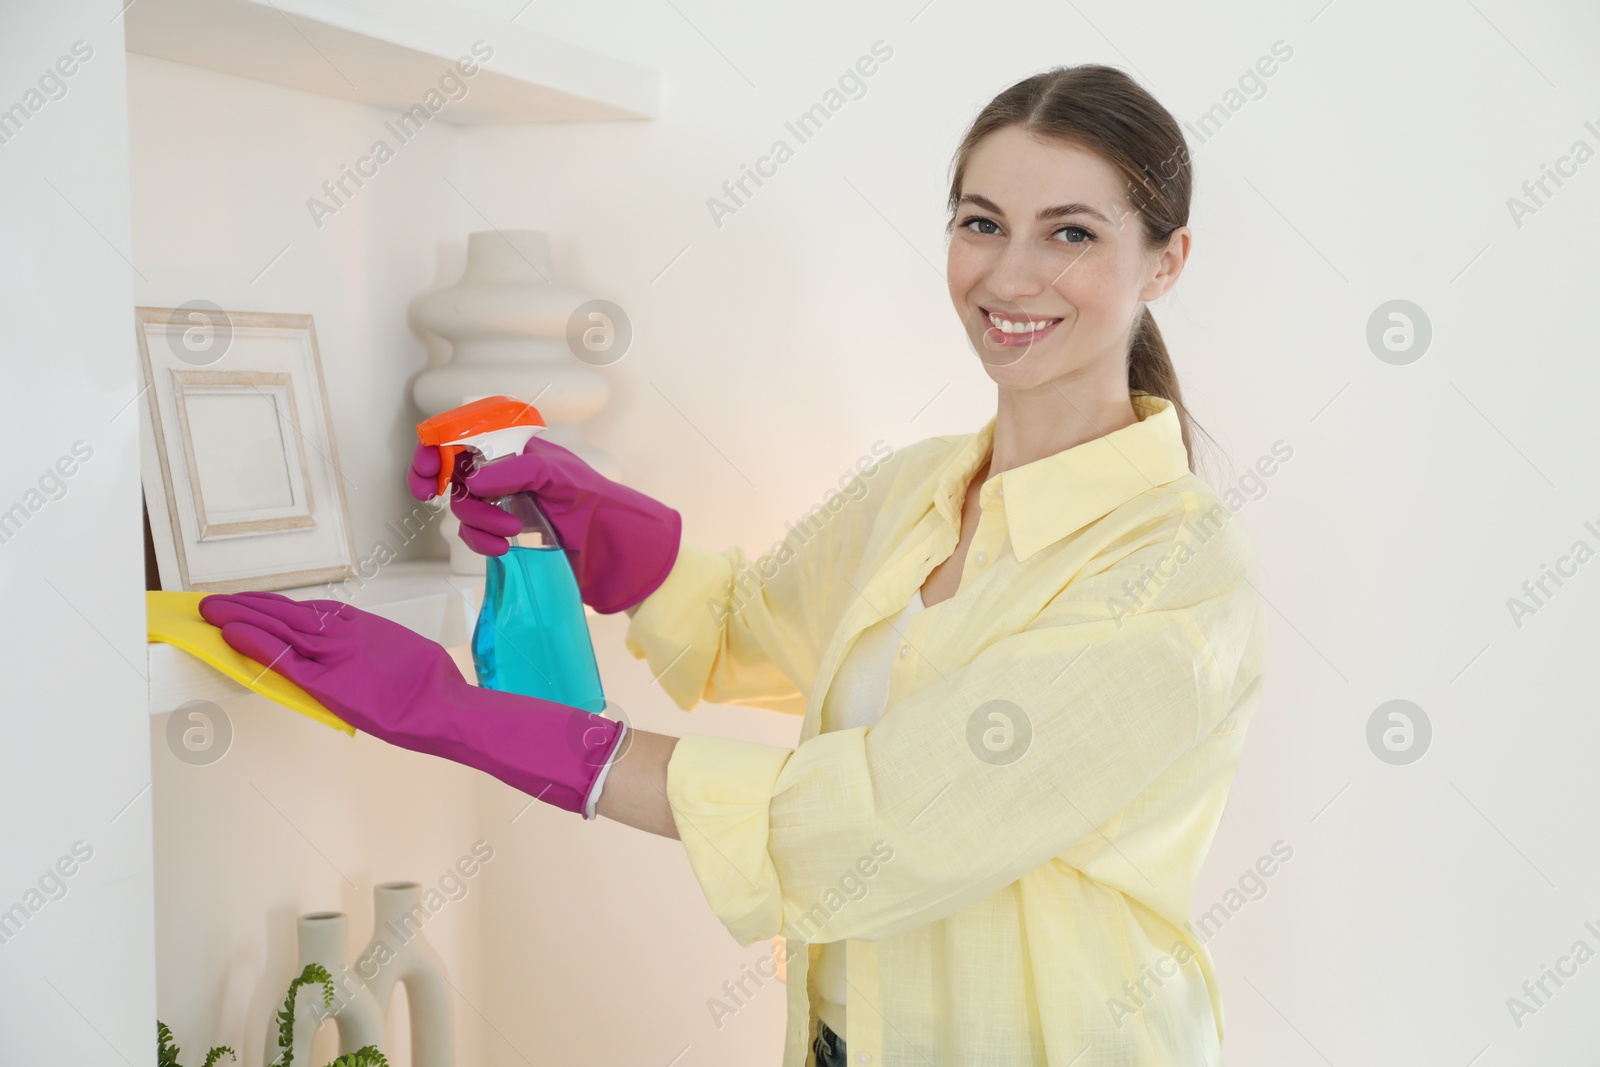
{"x": 174, "y": 618}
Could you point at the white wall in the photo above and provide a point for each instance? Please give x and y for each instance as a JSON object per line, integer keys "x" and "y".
{"x": 297, "y": 817}
{"x": 74, "y": 765}
{"x": 622, "y": 29}
{"x": 776, "y": 349}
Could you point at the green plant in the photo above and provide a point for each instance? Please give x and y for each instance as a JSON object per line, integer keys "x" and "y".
{"x": 365, "y": 1056}
{"x": 314, "y": 972}
{"x": 167, "y": 1052}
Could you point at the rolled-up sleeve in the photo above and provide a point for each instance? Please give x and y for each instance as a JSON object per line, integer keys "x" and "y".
{"x": 730, "y": 630}
{"x": 703, "y": 649}
{"x": 973, "y": 780}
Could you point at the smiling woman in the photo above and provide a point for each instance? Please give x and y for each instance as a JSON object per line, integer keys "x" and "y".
{"x": 1006, "y": 779}
{"x": 1061, "y": 283}
{"x": 1048, "y": 768}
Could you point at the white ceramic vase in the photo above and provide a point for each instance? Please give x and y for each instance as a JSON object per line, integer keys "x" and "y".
{"x": 398, "y": 953}
{"x": 506, "y": 322}
{"x": 355, "y": 1014}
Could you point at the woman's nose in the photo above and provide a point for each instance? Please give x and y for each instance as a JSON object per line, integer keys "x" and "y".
{"x": 1020, "y": 271}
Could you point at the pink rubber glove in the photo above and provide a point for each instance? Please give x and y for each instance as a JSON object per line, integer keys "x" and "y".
{"x": 397, "y": 685}
{"x": 620, "y": 542}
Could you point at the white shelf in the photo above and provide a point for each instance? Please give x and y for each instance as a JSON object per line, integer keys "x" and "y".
{"x": 423, "y": 596}
{"x": 391, "y": 54}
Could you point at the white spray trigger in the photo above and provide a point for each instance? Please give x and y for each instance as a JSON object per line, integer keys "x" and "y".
{"x": 497, "y": 444}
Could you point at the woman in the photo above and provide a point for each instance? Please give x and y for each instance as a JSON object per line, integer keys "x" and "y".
{"x": 1026, "y": 656}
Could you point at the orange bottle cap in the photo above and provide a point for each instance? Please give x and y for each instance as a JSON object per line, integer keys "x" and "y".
{"x": 491, "y": 413}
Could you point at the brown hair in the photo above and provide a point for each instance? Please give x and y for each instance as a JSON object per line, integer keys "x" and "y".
{"x": 1103, "y": 110}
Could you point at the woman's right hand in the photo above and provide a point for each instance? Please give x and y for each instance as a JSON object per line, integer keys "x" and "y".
{"x": 620, "y": 542}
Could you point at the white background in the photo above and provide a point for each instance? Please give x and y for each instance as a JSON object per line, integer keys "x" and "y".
{"x": 769, "y": 354}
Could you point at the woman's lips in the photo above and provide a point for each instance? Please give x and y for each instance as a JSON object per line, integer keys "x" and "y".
{"x": 993, "y": 335}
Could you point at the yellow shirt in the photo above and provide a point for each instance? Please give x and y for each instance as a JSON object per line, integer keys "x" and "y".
{"x": 1011, "y": 849}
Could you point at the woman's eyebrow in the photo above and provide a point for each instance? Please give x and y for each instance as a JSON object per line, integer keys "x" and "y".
{"x": 1044, "y": 213}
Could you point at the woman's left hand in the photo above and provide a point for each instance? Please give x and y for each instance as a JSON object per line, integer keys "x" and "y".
{"x": 375, "y": 674}
{"x": 395, "y": 684}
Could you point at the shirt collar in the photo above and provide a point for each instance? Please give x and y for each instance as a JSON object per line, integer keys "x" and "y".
{"x": 1049, "y": 498}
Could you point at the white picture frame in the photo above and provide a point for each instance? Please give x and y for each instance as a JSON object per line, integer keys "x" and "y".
{"x": 238, "y": 457}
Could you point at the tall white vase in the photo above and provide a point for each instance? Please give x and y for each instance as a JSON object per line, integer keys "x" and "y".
{"x": 399, "y": 953}
{"x": 355, "y": 1014}
{"x": 506, "y": 322}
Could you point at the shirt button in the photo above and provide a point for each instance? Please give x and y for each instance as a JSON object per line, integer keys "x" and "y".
{"x": 863, "y": 1057}
{"x": 981, "y": 558}
{"x": 903, "y": 650}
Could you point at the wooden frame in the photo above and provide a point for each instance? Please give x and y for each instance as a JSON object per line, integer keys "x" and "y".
{"x": 275, "y": 515}
{"x": 197, "y": 383}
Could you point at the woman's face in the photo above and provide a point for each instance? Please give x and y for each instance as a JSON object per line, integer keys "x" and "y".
{"x": 1044, "y": 234}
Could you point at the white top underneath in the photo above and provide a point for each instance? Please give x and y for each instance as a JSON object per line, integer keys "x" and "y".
{"x": 857, "y": 697}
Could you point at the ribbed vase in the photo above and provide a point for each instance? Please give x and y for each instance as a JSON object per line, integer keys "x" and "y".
{"x": 506, "y": 322}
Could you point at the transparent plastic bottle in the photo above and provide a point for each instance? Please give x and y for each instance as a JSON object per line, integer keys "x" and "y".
{"x": 532, "y": 636}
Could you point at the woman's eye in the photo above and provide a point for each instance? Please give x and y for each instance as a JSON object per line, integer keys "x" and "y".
{"x": 977, "y": 224}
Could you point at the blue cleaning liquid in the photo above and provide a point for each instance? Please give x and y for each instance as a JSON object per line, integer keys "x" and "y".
{"x": 532, "y": 637}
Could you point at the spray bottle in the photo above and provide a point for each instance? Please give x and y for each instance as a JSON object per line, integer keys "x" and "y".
{"x": 532, "y": 636}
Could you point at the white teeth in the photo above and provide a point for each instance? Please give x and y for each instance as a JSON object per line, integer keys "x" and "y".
{"x": 1007, "y": 326}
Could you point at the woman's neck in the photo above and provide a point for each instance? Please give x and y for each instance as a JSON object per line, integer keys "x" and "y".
{"x": 1061, "y": 414}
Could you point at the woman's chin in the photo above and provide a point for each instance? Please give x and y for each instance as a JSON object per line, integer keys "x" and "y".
{"x": 1013, "y": 367}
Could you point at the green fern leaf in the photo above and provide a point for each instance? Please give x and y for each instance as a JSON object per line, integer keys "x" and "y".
{"x": 166, "y": 1051}
{"x": 216, "y": 1054}
{"x": 314, "y": 972}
